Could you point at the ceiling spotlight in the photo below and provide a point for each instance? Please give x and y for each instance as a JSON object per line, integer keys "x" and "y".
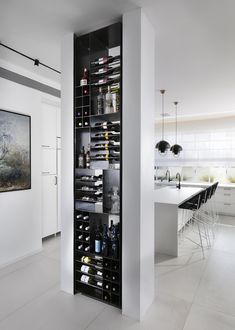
{"x": 36, "y": 62}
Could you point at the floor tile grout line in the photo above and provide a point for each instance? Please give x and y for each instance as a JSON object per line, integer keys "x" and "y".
{"x": 210, "y": 308}
{"x": 29, "y": 302}
{"x": 93, "y": 320}
{"x": 20, "y": 267}
{"x": 192, "y": 302}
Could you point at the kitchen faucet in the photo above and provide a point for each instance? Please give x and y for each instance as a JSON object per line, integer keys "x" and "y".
{"x": 168, "y": 174}
{"x": 178, "y": 176}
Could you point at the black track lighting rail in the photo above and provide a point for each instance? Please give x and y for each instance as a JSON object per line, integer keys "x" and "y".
{"x": 36, "y": 61}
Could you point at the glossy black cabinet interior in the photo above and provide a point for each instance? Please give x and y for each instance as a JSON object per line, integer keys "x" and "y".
{"x": 98, "y": 164}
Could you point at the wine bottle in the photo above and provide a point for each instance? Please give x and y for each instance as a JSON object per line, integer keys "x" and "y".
{"x": 108, "y": 101}
{"x": 80, "y": 226}
{"x": 107, "y": 286}
{"x": 100, "y": 102}
{"x": 87, "y": 238}
{"x": 114, "y": 288}
{"x": 104, "y": 60}
{"x": 86, "y": 122}
{"x": 87, "y": 248}
{"x": 79, "y": 216}
{"x": 106, "y": 296}
{"x": 105, "y": 241}
{"x": 111, "y": 229}
{"x": 80, "y": 237}
{"x": 80, "y": 247}
{"x": 88, "y": 280}
{"x": 86, "y": 259}
{"x": 81, "y": 158}
{"x": 114, "y": 277}
{"x": 88, "y": 158}
{"x": 87, "y": 228}
{"x": 114, "y": 243}
{"x": 97, "y": 240}
{"x": 85, "y": 217}
{"x": 88, "y": 270}
{"x": 84, "y": 80}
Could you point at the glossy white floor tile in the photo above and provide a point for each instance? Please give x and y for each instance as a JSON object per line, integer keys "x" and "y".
{"x": 205, "y": 319}
{"x": 217, "y": 288}
{"x": 156, "y": 318}
{"x": 23, "y": 285}
{"x": 191, "y": 293}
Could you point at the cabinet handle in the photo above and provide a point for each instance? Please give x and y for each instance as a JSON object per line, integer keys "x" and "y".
{"x": 227, "y": 204}
{"x": 56, "y": 181}
{"x": 227, "y": 189}
{"x": 45, "y": 146}
{"x": 227, "y": 194}
{"x": 45, "y": 172}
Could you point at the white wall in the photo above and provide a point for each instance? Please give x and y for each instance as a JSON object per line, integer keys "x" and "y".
{"x": 67, "y": 164}
{"x": 20, "y": 211}
{"x": 207, "y": 140}
{"x": 138, "y": 163}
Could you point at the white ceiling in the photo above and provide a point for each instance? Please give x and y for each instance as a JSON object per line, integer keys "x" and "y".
{"x": 195, "y": 58}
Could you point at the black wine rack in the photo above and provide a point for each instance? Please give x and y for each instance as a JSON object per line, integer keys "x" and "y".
{"x": 98, "y": 187}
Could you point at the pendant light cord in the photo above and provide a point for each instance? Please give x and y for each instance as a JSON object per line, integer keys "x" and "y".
{"x": 162, "y": 91}
{"x": 176, "y": 123}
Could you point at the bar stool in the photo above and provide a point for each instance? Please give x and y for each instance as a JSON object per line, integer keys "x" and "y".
{"x": 193, "y": 204}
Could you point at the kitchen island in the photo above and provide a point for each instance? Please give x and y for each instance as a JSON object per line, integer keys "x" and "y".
{"x": 167, "y": 217}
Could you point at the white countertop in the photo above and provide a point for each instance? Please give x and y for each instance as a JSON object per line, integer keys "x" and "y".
{"x": 195, "y": 184}
{"x": 174, "y": 196}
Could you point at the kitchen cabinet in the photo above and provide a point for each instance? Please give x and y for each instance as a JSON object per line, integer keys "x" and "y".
{"x": 225, "y": 200}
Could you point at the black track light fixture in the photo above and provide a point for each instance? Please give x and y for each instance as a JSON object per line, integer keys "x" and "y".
{"x": 36, "y": 61}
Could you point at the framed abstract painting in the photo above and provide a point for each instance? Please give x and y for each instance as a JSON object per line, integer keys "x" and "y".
{"x": 15, "y": 151}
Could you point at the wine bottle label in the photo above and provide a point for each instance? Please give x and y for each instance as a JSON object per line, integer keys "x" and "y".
{"x": 99, "y": 273}
{"x": 85, "y": 278}
{"x": 85, "y": 269}
{"x": 97, "y": 246}
{"x": 83, "y": 82}
{"x": 99, "y": 283}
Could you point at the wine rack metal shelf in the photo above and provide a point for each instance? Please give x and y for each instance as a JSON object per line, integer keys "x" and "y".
{"x": 98, "y": 182}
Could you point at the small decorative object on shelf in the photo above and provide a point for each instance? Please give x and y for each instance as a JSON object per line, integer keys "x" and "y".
{"x": 115, "y": 198}
{"x": 108, "y": 101}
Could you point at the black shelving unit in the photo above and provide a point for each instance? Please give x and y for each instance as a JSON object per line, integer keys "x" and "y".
{"x": 98, "y": 189}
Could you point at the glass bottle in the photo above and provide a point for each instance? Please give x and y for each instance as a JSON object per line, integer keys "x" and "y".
{"x": 100, "y": 102}
{"x": 84, "y": 80}
{"x": 108, "y": 101}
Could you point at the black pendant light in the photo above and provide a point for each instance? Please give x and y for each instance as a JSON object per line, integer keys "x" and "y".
{"x": 176, "y": 148}
{"x": 162, "y": 146}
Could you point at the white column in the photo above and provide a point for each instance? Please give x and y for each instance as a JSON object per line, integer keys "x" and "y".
{"x": 138, "y": 163}
{"x": 67, "y": 164}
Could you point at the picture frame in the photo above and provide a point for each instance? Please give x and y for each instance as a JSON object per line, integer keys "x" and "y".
{"x": 15, "y": 151}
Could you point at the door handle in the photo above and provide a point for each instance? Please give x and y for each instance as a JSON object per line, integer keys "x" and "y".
{"x": 56, "y": 180}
